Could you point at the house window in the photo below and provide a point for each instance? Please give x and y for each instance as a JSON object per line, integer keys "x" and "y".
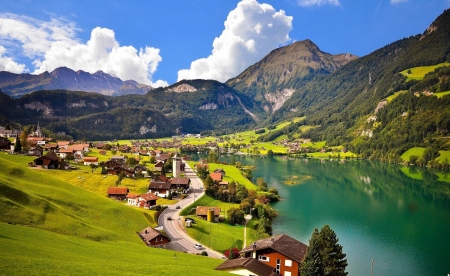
{"x": 263, "y": 258}
{"x": 287, "y": 273}
{"x": 288, "y": 263}
{"x": 277, "y": 270}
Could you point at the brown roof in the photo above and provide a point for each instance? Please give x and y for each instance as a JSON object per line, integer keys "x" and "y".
{"x": 76, "y": 147}
{"x": 132, "y": 195}
{"x": 117, "y": 190}
{"x": 253, "y": 265}
{"x": 160, "y": 185}
{"x": 216, "y": 176}
{"x": 203, "y": 210}
{"x": 283, "y": 244}
{"x": 150, "y": 233}
{"x": 90, "y": 159}
{"x": 63, "y": 143}
{"x": 180, "y": 180}
{"x": 149, "y": 196}
{"x": 63, "y": 150}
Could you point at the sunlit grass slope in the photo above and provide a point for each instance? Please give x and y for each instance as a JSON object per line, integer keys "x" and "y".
{"x": 32, "y": 251}
{"x": 417, "y": 73}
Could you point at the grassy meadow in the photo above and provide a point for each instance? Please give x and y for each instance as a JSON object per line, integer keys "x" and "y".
{"x": 50, "y": 226}
{"x": 417, "y": 73}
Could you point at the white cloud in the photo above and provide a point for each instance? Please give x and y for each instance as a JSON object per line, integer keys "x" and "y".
{"x": 397, "y": 1}
{"x": 8, "y": 64}
{"x": 251, "y": 31}
{"x": 53, "y": 44}
{"x": 307, "y": 3}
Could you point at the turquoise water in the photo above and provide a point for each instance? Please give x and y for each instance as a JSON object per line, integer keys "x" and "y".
{"x": 376, "y": 210}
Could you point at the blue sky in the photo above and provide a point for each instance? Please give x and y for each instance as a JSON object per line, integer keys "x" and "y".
{"x": 159, "y": 42}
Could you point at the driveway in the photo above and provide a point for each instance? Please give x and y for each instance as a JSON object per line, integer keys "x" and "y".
{"x": 180, "y": 241}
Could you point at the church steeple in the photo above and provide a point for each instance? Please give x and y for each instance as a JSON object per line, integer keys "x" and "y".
{"x": 38, "y": 132}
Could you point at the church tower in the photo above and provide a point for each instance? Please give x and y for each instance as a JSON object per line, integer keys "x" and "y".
{"x": 176, "y": 161}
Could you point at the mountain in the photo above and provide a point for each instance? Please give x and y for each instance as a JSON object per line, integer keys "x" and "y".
{"x": 189, "y": 106}
{"x": 65, "y": 78}
{"x": 272, "y": 80}
{"x": 340, "y": 105}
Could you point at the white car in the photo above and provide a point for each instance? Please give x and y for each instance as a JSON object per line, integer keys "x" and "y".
{"x": 198, "y": 246}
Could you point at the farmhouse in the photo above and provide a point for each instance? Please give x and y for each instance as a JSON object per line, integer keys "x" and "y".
{"x": 216, "y": 176}
{"x": 117, "y": 193}
{"x": 154, "y": 238}
{"x": 247, "y": 266}
{"x": 181, "y": 183}
{"x": 48, "y": 161}
{"x": 90, "y": 160}
{"x": 161, "y": 189}
{"x": 202, "y": 211}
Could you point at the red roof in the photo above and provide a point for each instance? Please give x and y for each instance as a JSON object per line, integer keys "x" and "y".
{"x": 117, "y": 191}
{"x": 149, "y": 196}
{"x": 216, "y": 176}
{"x": 90, "y": 159}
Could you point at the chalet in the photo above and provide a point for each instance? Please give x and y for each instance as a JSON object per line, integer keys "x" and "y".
{"x": 281, "y": 252}
{"x": 148, "y": 200}
{"x": 223, "y": 184}
{"x": 119, "y": 170}
{"x": 158, "y": 166}
{"x": 118, "y": 159}
{"x": 51, "y": 147}
{"x": 202, "y": 211}
{"x": 132, "y": 199}
{"x": 216, "y": 176}
{"x": 78, "y": 151}
{"x": 154, "y": 238}
{"x": 90, "y": 160}
{"x": 162, "y": 157}
{"x": 161, "y": 189}
{"x": 65, "y": 153}
{"x": 181, "y": 183}
{"x": 36, "y": 151}
{"x": 111, "y": 164}
{"x": 117, "y": 193}
{"x": 63, "y": 144}
{"x": 247, "y": 266}
{"x": 48, "y": 161}
{"x": 221, "y": 171}
{"x": 5, "y": 144}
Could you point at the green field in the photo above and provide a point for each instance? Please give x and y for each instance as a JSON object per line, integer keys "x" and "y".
{"x": 395, "y": 95}
{"x": 412, "y": 173}
{"x": 417, "y": 73}
{"x": 417, "y": 151}
{"x": 444, "y": 156}
{"x": 51, "y": 226}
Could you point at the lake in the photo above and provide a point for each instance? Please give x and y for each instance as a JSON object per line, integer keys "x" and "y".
{"x": 395, "y": 215}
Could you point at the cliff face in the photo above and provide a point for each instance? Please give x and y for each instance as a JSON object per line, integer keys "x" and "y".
{"x": 17, "y": 85}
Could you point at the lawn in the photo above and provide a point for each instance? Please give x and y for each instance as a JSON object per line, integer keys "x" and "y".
{"x": 417, "y": 73}
{"x": 417, "y": 151}
{"x": 444, "y": 155}
{"x": 395, "y": 95}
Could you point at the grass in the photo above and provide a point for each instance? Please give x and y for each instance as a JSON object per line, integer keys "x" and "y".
{"x": 395, "y": 95}
{"x": 444, "y": 155}
{"x": 48, "y": 224}
{"x": 441, "y": 94}
{"x": 31, "y": 251}
{"x": 251, "y": 232}
{"x": 417, "y": 151}
{"x": 417, "y": 73}
{"x": 206, "y": 200}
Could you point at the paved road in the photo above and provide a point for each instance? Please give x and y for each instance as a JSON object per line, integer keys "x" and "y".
{"x": 180, "y": 241}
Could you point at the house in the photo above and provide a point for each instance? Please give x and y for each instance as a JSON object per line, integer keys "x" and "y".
{"x": 181, "y": 183}
{"x": 281, "y": 252}
{"x": 223, "y": 184}
{"x": 148, "y": 200}
{"x": 5, "y": 144}
{"x": 90, "y": 160}
{"x": 162, "y": 157}
{"x": 117, "y": 193}
{"x": 154, "y": 238}
{"x": 48, "y": 161}
{"x": 132, "y": 199}
{"x": 216, "y": 176}
{"x": 247, "y": 266}
{"x": 78, "y": 151}
{"x": 161, "y": 189}
{"x": 63, "y": 144}
{"x": 202, "y": 211}
{"x": 118, "y": 159}
{"x": 158, "y": 166}
{"x": 36, "y": 151}
{"x": 119, "y": 170}
{"x": 65, "y": 153}
{"x": 219, "y": 170}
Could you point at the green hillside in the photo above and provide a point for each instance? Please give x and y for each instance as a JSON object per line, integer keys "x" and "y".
{"x": 51, "y": 226}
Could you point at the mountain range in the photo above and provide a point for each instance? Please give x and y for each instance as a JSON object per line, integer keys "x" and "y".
{"x": 343, "y": 99}
{"x": 64, "y": 78}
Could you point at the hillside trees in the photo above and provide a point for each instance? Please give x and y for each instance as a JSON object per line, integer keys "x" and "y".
{"x": 324, "y": 255}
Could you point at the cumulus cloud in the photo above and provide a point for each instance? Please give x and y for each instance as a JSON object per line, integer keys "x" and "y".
{"x": 8, "y": 64}
{"x": 307, "y": 3}
{"x": 251, "y": 31}
{"x": 52, "y": 44}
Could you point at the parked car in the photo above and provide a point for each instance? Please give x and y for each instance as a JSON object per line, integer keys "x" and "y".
{"x": 178, "y": 207}
{"x": 191, "y": 220}
{"x": 198, "y": 246}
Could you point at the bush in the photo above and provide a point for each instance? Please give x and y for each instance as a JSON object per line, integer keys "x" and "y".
{"x": 204, "y": 253}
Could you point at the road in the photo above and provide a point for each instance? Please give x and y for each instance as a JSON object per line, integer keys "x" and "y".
{"x": 180, "y": 241}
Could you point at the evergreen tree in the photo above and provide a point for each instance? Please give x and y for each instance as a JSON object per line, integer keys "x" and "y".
{"x": 324, "y": 255}
{"x": 18, "y": 145}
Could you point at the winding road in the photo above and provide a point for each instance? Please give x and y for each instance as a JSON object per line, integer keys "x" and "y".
{"x": 180, "y": 241}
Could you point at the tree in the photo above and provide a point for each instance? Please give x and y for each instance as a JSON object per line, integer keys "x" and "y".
{"x": 232, "y": 253}
{"x": 324, "y": 255}
{"x": 93, "y": 167}
{"x": 236, "y": 215}
{"x": 23, "y": 140}
{"x": 262, "y": 185}
{"x": 18, "y": 145}
{"x": 120, "y": 177}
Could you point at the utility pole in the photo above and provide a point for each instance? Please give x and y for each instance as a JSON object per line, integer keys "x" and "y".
{"x": 371, "y": 269}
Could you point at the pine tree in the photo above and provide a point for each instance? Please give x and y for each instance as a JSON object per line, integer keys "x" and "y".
{"x": 324, "y": 255}
{"x": 18, "y": 145}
